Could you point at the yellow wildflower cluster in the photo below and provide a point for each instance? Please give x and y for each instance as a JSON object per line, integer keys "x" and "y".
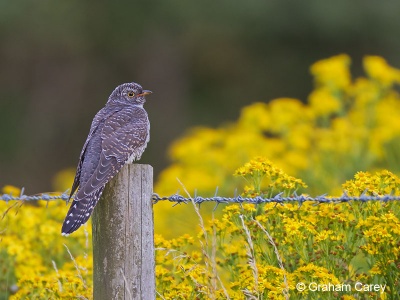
{"x": 324, "y": 244}
{"x": 382, "y": 243}
{"x": 233, "y": 255}
{"x": 378, "y": 69}
{"x": 346, "y": 125}
{"x": 381, "y": 183}
{"x": 260, "y": 168}
{"x": 35, "y": 259}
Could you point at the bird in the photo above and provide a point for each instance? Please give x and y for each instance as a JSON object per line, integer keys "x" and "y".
{"x": 118, "y": 135}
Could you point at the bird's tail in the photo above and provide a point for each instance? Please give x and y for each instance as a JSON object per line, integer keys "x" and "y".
{"x": 80, "y": 211}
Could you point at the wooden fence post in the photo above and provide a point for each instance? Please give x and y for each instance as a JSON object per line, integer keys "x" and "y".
{"x": 123, "y": 237}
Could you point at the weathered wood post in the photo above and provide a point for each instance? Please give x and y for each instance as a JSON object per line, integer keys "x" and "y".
{"x": 123, "y": 240}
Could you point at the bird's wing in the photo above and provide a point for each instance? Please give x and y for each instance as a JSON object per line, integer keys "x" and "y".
{"x": 97, "y": 120}
{"x": 123, "y": 132}
{"x": 105, "y": 170}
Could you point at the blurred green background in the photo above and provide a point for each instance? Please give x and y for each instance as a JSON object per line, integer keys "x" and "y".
{"x": 204, "y": 60}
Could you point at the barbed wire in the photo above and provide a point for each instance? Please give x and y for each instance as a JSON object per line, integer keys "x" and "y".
{"x": 178, "y": 199}
{"x": 279, "y": 198}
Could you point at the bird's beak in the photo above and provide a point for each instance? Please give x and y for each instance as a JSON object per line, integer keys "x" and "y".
{"x": 146, "y": 92}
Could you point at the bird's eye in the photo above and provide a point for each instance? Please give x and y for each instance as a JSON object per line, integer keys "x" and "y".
{"x": 131, "y": 94}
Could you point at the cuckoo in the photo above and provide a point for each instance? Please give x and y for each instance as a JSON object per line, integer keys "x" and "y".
{"x": 118, "y": 135}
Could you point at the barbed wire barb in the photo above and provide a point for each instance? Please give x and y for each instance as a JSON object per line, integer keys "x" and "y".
{"x": 215, "y": 196}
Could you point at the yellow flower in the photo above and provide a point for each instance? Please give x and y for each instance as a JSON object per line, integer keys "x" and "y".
{"x": 390, "y": 218}
{"x": 323, "y": 235}
{"x": 370, "y": 249}
{"x": 377, "y": 68}
{"x": 255, "y": 117}
{"x": 333, "y": 72}
{"x": 382, "y": 231}
{"x": 249, "y": 207}
{"x": 369, "y": 233}
{"x": 324, "y": 103}
{"x": 322, "y": 274}
{"x": 284, "y": 114}
{"x": 376, "y": 269}
{"x": 292, "y": 227}
{"x": 260, "y": 169}
{"x": 381, "y": 183}
{"x": 347, "y": 297}
{"x": 231, "y": 249}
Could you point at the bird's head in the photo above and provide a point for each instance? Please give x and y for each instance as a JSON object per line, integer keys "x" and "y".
{"x": 129, "y": 93}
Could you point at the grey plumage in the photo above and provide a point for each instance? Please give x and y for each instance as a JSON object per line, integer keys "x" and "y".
{"x": 118, "y": 135}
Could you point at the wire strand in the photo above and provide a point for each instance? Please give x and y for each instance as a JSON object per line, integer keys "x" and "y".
{"x": 177, "y": 198}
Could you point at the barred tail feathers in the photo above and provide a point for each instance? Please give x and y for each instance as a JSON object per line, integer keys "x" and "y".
{"x": 80, "y": 212}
